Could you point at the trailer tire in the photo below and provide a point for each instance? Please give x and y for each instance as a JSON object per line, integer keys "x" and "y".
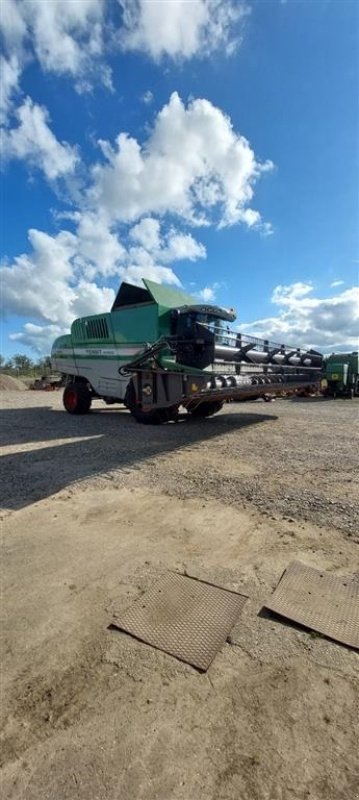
{"x": 205, "y": 409}
{"x": 77, "y": 398}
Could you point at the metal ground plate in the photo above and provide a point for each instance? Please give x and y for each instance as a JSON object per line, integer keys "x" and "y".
{"x": 318, "y": 600}
{"x": 188, "y": 618}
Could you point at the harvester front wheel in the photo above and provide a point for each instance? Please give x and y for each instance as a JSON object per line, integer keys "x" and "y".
{"x": 77, "y": 398}
{"x": 205, "y": 409}
{"x": 156, "y": 417}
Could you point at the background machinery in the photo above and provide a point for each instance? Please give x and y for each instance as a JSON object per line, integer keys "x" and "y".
{"x": 158, "y": 349}
{"x": 342, "y": 374}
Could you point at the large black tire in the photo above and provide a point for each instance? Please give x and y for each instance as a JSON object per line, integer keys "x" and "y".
{"x": 205, "y": 409}
{"x": 77, "y": 398}
{"x": 157, "y": 417}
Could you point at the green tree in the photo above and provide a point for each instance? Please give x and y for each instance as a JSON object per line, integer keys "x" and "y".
{"x": 44, "y": 365}
{"x": 22, "y": 364}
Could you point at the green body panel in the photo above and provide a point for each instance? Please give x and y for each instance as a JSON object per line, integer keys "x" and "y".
{"x": 136, "y": 324}
{"x": 336, "y": 371}
{"x": 166, "y": 297}
{"x": 352, "y": 359}
{"x": 169, "y": 363}
{"x": 63, "y": 342}
{"x": 342, "y": 371}
{"x": 93, "y": 329}
{"x": 99, "y": 344}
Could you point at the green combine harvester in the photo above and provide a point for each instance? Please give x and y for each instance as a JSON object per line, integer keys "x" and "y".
{"x": 158, "y": 349}
{"x": 342, "y": 374}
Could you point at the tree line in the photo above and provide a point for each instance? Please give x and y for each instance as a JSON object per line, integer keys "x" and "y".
{"x": 23, "y": 365}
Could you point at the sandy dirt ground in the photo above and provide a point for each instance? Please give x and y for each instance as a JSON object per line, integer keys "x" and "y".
{"x": 95, "y": 509}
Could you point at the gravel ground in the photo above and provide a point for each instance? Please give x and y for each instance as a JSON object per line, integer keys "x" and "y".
{"x": 96, "y": 508}
{"x": 298, "y": 458}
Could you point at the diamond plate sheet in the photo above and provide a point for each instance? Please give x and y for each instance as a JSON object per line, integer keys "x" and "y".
{"x": 183, "y": 616}
{"x": 318, "y": 600}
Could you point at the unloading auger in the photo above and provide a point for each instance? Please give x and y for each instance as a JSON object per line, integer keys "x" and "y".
{"x": 158, "y": 350}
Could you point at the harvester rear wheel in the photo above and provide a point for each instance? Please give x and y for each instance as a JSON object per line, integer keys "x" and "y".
{"x": 77, "y": 398}
{"x": 205, "y": 409}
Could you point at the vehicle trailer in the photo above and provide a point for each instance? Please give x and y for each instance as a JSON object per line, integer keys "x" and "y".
{"x": 342, "y": 374}
{"x": 158, "y": 350}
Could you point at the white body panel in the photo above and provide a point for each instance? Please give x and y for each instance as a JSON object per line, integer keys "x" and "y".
{"x": 99, "y": 365}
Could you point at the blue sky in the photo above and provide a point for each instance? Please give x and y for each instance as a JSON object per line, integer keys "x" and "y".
{"x": 238, "y": 178}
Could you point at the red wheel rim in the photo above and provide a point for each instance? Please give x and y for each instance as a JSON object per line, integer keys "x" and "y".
{"x": 71, "y": 399}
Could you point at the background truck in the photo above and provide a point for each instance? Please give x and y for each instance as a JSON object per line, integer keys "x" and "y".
{"x": 158, "y": 349}
{"x": 341, "y": 373}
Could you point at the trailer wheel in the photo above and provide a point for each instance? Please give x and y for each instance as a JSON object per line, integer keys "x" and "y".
{"x": 77, "y": 398}
{"x": 205, "y": 409}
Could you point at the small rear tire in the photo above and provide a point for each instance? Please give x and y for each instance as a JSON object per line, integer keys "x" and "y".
{"x": 77, "y": 398}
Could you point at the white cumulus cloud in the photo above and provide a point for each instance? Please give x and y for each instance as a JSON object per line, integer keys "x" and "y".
{"x": 33, "y": 141}
{"x": 142, "y": 265}
{"x": 172, "y": 245}
{"x": 73, "y": 38}
{"x": 147, "y": 233}
{"x": 325, "y": 324}
{"x": 192, "y": 164}
{"x": 181, "y": 247}
{"x": 289, "y": 295}
{"x": 38, "y": 337}
{"x": 45, "y": 284}
{"x": 147, "y": 97}
{"x": 67, "y": 38}
{"x": 181, "y": 30}
{"x": 10, "y": 72}
{"x": 99, "y": 250}
{"x": 207, "y": 294}
{"x": 66, "y": 276}
{"x": 134, "y": 218}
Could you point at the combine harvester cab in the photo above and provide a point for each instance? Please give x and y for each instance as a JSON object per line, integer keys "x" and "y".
{"x": 159, "y": 349}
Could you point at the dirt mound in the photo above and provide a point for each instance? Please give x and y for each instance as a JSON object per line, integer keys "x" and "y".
{"x": 10, "y": 384}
